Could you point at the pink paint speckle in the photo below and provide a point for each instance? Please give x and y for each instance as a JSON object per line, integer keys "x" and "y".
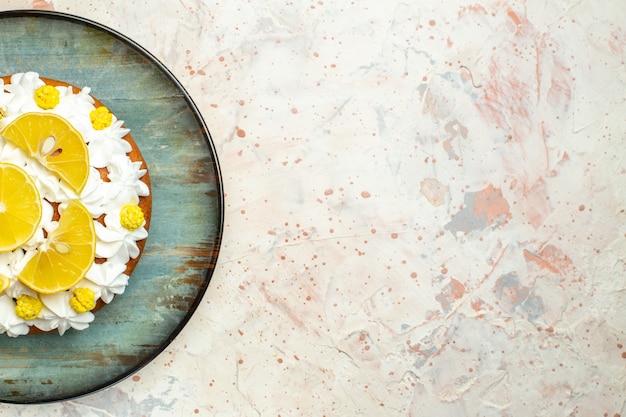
{"x": 453, "y": 291}
{"x": 550, "y": 258}
{"x": 434, "y": 191}
{"x": 490, "y": 205}
{"x": 486, "y": 207}
{"x": 43, "y": 5}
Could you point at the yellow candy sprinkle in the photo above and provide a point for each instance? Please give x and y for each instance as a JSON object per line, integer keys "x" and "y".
{"x": 47, "y": 97}
{"x": 28, "y": 307}
{"x": 83, "y": 300}
{"x": 101, "y": 118}
{"x": 131, "y": 217}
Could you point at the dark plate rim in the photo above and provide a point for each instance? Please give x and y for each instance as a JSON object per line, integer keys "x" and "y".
{"x": 50, "y": 14}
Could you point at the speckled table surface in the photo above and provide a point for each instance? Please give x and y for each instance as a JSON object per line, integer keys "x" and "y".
{"x": 424, "y": 208}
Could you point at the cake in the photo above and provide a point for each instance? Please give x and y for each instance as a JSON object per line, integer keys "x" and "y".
{"x": 75, "y": 206}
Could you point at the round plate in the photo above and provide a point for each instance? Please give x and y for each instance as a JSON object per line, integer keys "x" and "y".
{"x": 187, "y": 215}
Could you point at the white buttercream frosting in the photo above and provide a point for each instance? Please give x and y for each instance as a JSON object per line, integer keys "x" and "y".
{"x": 107, "y": 149}
{"x": 10, "y": 323}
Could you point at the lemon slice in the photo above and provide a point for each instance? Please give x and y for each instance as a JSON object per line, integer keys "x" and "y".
{"x": 55, "y": 143}
{"x": 66, "y": 255}
{"x": 5, "y": 283}
{"x": 20, "y": 207}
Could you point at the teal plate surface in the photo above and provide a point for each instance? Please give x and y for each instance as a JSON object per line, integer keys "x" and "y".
{"x": 187, "y": 216}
